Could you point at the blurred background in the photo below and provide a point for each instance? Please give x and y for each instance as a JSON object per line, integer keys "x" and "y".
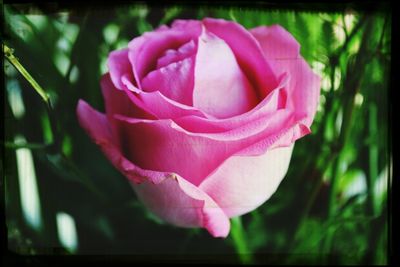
{"x": 62, "y": 197}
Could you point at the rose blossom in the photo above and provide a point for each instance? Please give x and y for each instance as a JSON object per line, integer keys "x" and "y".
{"x": 202, "y": 117}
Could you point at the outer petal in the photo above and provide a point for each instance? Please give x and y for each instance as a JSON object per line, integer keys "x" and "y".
{"x": 97, "y": 127}
{"x": 282, "y": 52}
{"x": 164, "y": 146}
{"x": 116, "y": 101}
{"x": 119, "y": 67}
{"x": 276, "y": 42}
{"x": 161, "y": 146}
{"x": 242, "y": 183}
{"x": 220, "y": 87}
{"x": 181, "y": 203}
{"x": 171, "y": 197}
{"x": 303, "y": 89}
{"x": 247, "y": 51}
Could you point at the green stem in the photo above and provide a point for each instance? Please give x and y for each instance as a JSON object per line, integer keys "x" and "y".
{"x": 8, "y": 53}
{"x": 239, "y": 241}
{"x": 55, "y": 148}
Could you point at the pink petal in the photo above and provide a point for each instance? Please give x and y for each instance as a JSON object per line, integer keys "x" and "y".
{"x": 276, "y": 42}
{"x": 291, "y": 131}
{"x": 302, "y": 100}
{"x": 265, "y": 109}
{"x": 172, "y": 55}
{"x": 116, "y": 101}
{"x": 147, "y": 48}
{"x": 247, "y": 51}
{"x": 162, "y": 146}
{"x": 157, "y": 105}
{"x": 220, "y": 91}
{"x": 282, "y": 52}
{"x": 243, "y": 183}
{"x": 190, "y": 26}
{"x": 98, "y": 128}
{"x": 181, "y": 203}
{"x": 175, "y": 81}
{"x": 119, "y": 66}
{"x": 169, "y": 196}
{"x": 297, "y": 94}
{"x": 250, "y": 131}
{"x": 303, "y": 89}
{"x": 162, "y": 107}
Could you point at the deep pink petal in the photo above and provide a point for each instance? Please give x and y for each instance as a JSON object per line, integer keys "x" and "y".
{"x": 119, "y": 66}
{"x": 169, "y": 196}
{"x": 247, "y": 51}
{"x": 175, "y": 81}
{"x": 220, "y": 87}
{"x": 276, "y": 42}
{"x": 98, "y": 128}
{"x": 160, "y": 145}
{"x": 243, "y": 183}
{"x": 117, "y": 102}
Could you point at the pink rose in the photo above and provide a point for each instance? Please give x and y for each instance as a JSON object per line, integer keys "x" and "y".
{"x": 202, "y": 116}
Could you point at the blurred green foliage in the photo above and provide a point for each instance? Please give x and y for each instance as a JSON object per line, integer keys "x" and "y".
{"x": 330, "y": 208}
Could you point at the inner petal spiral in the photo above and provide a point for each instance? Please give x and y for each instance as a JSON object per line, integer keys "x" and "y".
{"x": 174, "y": 74}
{"x": 220, "y": 87}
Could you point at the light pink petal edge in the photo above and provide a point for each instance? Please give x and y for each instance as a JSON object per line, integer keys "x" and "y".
{"x": 243, "y": 183}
